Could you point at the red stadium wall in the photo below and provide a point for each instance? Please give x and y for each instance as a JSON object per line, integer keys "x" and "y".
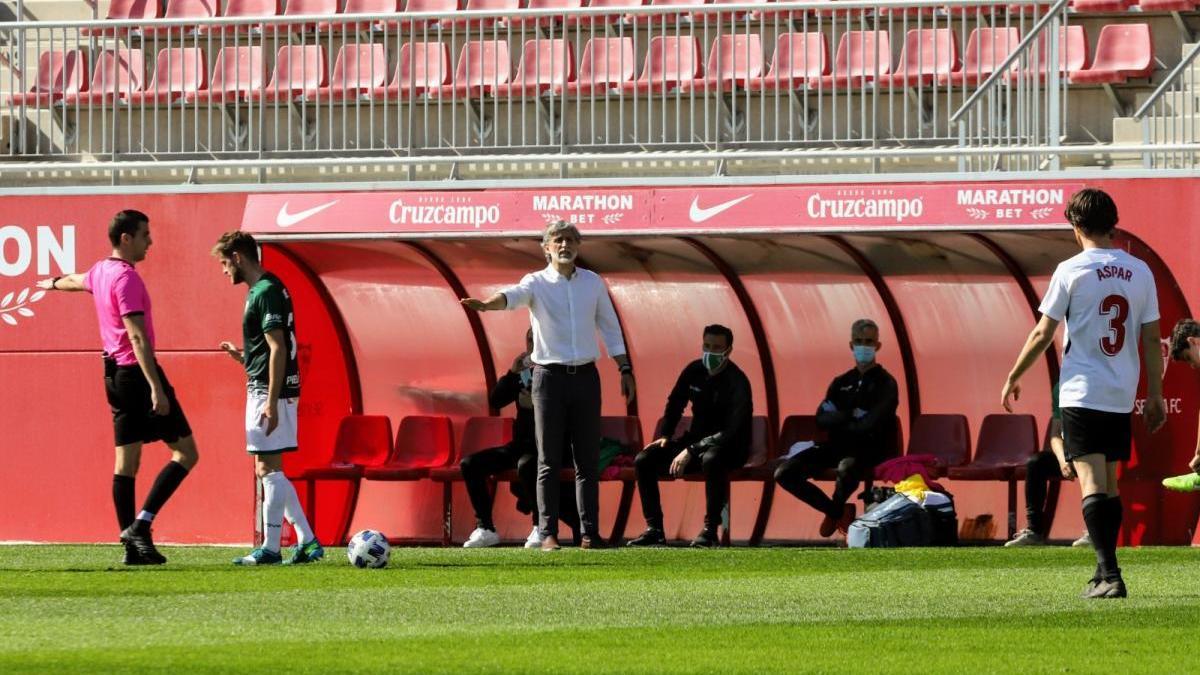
{"x": 953, "y": 287}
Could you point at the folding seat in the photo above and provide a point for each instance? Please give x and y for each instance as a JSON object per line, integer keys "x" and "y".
{"x": 299, "y": 72}
{"x": 423, "y": 442}
{"x": 667, "y": 18}
{"x": 670, "y": 61}
{"x": 127, "y": 10}
{"x": 1005, "y": 444}
{"x": 727, "y": 17}
{"x": 483, "y": 65}
{"x": 479, "y": 433}
{"x": 362, "y": 441}
{"x": 60, "y": 72}
{"x": 361, "y": 7}
{"x": 422, "y": 66}
{"x": 733, "y": 61}
{"x": 861, "y": 57}
{"x": 476, "y": 25}
{"x": 986, "y": 50}
{"x": 358, "y": 69}
{"x": 1098, "y": 6}
{"x": 118, "y": 73}
{"x": 244, "y": 9}
{"x": 1167, "y": 5}
{"x": 520, "y": 20}
{"x": 1123, "y": 51}
{"x": 309, "y": 8}
{"x": 546, "y": 64}
{"x": 799, "y": 58}
{"x": 946, "y": 437}
{"x": 927, "y": 54}
{"x": 443, "y": 7}
{"x": 1072, "y": 55}
{"x": 237, "y": 73}
{"x": 178, "y": 71}
{"x": 616, "y": 16}
{"x": 184, "y": 9}
{"x": 606, "y": 65}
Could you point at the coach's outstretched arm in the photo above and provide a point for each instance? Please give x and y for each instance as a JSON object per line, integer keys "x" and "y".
{"x": 1154, "y": 413}
{"x": 1039, "y": 340}
{"x": 497, "y": 301}
{"x": 67, "y": 282}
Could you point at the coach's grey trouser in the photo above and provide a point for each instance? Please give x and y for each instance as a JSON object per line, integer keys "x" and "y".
{"x": 566, "y": 406}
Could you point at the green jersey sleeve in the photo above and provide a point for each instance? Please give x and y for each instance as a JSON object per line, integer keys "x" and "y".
{"x": 272, "y": 310}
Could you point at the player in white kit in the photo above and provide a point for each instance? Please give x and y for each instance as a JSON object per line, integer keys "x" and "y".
{"x": 1108, "y": 299}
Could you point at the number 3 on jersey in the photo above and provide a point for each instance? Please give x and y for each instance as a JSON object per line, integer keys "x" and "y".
{"x": 1116, "y": 308}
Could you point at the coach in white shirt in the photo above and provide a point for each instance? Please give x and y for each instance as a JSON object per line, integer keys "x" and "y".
{"x": 567, "y": 306}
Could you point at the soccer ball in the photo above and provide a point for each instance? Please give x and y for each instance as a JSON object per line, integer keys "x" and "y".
{"x": 369, "y": 548}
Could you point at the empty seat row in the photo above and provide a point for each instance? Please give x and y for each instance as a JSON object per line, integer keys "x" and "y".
{"x": 484, "y": 67}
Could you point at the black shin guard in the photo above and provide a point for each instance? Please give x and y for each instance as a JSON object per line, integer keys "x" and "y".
{"x": 1095, "y": 516}
{"x": 123, "y": 496}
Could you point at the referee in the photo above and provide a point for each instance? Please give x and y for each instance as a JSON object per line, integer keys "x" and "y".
{"x": 567, "y": 305}
{"x": 143, "y": 402}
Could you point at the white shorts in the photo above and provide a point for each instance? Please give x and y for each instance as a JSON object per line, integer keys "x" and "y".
{"x": 283, "y": 439}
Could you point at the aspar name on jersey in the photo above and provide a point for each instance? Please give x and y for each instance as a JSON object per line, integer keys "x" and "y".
{"x": 1114, "y": 271}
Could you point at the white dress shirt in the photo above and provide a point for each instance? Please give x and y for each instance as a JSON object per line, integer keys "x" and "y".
{"x": 565, "y": 314}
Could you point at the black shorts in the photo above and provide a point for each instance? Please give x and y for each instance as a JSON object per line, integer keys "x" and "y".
{"x": 1086, "y": 431}
{"x": 129, "y": 397}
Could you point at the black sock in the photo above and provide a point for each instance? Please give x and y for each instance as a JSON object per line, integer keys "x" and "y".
{"x": 1114, "y": 515}
{"x": 164, "y": 486}
{"x": 122, "y": 492}
{"x": 1095, "y": 511}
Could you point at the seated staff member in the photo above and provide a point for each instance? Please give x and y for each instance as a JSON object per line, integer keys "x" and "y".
{"x": 859, "y": 413}
{"x": 1185, "y": 348}
{"x": 520, "y": 453}
{"x": 717, "y": 442}
{"x": 1041, "y": 468}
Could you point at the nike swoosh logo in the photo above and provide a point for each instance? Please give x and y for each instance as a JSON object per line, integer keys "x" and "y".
{"x": 699, "y": 215}
{"x": 285, "y": 219}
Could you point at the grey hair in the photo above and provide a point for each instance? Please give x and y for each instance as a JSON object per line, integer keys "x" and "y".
{"x": 862, "y": 324}
{"x": 560, "y": 227}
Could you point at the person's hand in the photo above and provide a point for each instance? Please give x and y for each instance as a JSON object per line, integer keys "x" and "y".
{"x": 657, "y": 443}
{"x": 1194, "y": 465}
{"x": 268, "y": 414}
{"x": 828, "y": 406}
{"x": 472, "y": 303}
{"x": 518, "y": 363}
{"x": 230, "y": 349}
{"x": 1068, "y": 470}
{"x": 45, "y": 284}
{"x": 159, "y": 405}
{"x": 679, "y": 464}
{"x": 628, "y": 388}
{"x": 1011, "y": 390}
{"x": 1154, "y": 413}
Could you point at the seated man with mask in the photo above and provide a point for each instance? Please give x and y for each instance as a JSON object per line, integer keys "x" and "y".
{"x": 859, "y": 414}
{"x": 717, "y": 442}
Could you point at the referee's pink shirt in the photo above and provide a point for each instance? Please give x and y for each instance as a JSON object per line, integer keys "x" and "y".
{"x": 118, "y": 291}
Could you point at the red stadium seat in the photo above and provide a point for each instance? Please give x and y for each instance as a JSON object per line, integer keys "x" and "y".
{"x": 59, "y": 73}
{"x": 670, "y": 61}
{"x": 727, "y": 17}
{"x": 734, "y": 61}
{"x": 358, "y": 69}
{"x": 798, "y": 428}
{"x": 178, "y": 71}
{"x": 520, "y": 20}
{"x": 799, "y": 58}
{"x": 606, "y": 65}
{"x": 243, "y": 9}
{"x": 1167, "y": 5}
{"x": 361, "y": 7}
{"x": 300, "y": 71}
{"x": 986, "y": 50}
{"x": 615, "y": 5}
{"x": 1098, "y": 6}
{"x": 541, "y": 69}
{"x": 1005, "y": 444}
{"x": 861, "y": 57}
{"x": 480, "y": 433}
{"x": 362, "y": 441}
{"x": 1072, "y": 55}
{"x": 483, "y": 65}
{"x": 667, "y": 18}
{"x": 308, "y": 8}
{"x": 927, "y": 54}
{"x": 184, "y": 9}
{"x": 118, "y": 73}
{"x": 946, "y": 437}
{"x": 474, "y": 25}
{"x": 423, "y": 442}
{"x": 422, "y": 66}
{"x": 446, "y": 7}
{"x": 236, "y": 74}
{"x": 127, "y": 10}
{"x": 1123, "y": 51}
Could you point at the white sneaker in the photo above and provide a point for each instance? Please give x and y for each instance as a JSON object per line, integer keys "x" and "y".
{"x": 481, "y": 538}
{"x": 1026, "y": 537}
{"x": 534, "y": 540}
{"x": 1083, "y": 542}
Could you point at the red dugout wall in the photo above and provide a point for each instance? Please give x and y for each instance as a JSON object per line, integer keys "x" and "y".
{"x": 948, "y": 277}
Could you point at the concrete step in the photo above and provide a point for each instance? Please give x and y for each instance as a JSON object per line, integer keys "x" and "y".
{"x": 1170, "y": 103}
{"x": 1162, "y": 130}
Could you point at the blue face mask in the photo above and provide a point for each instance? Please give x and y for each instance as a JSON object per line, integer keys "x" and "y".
{"x": 713, "y": 360}
{"x": 863, "y": 354}
{"x": 526, "y": 378}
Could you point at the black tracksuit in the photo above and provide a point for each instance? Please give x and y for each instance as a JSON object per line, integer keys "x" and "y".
{"x": 718, "y": 440}
{"x": 857, "y": 441}
{"x": 520, "y": 453}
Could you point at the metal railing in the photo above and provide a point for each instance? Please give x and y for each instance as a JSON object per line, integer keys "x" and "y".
{"x": 220, "y": 91}
{"x": 1169, "y": 118}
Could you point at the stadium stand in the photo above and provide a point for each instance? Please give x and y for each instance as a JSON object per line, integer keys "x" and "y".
{"x": 421, "y": 67}
{"x": 545, "y": 65}
{"x": 178, "y": 71}
{"x": 607, "y": 64}
{"x": 60, "y": 73}
{"x": 357, "y": 70}
{"x": 300, "y": 72}
{"x": 670, "y": 62}
{"x": 118, "y": 73}
{"x": 237, "y": 73}
{"x": 482, "y": 66}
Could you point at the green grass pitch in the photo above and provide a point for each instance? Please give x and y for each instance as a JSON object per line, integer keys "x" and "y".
{"x": 71, "y": 609}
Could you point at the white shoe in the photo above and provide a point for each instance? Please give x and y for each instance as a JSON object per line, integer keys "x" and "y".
{"x": 1083, "y": 542}
{"x": 534, "y": 540}
{"x": 1026, "y": 537}
{"x": 481, "y": 538}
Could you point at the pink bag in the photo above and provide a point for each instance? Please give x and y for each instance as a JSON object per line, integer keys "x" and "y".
{"x": 899, "y": 468}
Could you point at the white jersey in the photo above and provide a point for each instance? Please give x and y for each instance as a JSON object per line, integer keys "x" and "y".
{"x": 1105, "y": 295}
